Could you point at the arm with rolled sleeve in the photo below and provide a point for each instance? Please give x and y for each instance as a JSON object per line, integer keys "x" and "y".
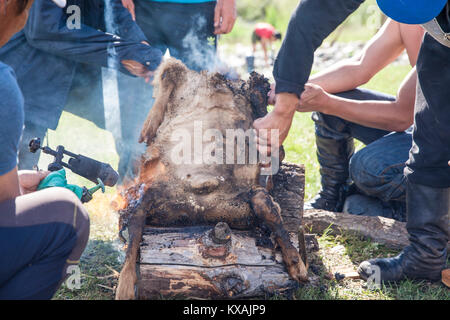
{"x": 47, "y": 30}
{"x": 311, "y": 23}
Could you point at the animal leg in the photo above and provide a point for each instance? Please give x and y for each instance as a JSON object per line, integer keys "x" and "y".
{"x": 128, "y": 278}
{"x": 156, "y": 115}
{"x": 269, "y": 212}
{"x": 169, "y": 74}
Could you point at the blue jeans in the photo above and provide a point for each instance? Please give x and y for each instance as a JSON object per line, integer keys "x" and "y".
{"x": 186, "y": 30}
{"x": 41, "y": 235}
{"x": 377, "y": 169}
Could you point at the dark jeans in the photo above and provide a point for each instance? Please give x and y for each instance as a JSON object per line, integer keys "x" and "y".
{"x": 430, "y": 152}
{"x": 41, "y": 234}
{"x": 186, "y": 30}
{"x": 377, "y": 169}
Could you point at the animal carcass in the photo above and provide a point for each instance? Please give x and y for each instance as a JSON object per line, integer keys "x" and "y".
{"x": 192, "y": 172}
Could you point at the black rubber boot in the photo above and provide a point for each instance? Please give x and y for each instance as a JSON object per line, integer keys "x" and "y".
{"x": 333, "y": 156}
{"x": 427, "y": 225}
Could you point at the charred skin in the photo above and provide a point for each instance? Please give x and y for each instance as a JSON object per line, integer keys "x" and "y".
{"x": 268, "y": 211}
{"x": 128, "y": 278}
{"x": 194, "y": 194}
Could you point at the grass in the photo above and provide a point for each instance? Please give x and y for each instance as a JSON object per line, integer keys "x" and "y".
{"x": 353, "y": 251}
{"x": 360, "y": 26}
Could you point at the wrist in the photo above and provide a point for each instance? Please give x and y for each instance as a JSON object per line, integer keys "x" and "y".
{"x": 286, "y": 104}
{"x": 327, "y": 105}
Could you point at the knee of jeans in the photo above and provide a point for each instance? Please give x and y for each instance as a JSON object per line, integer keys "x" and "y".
{"x": 376, "y": 178}
{"x": 363, "y": 172}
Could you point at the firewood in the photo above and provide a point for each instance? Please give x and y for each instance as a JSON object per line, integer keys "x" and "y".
{"x": 388, "y": 232}
{"x": 446, "y": 277}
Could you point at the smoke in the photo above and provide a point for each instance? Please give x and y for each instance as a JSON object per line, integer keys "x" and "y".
{"x": 109, "y": 79}
{"x": 201, "y": 52}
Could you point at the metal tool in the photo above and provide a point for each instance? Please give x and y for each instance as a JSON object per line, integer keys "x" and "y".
{"x": 86, "y": 167}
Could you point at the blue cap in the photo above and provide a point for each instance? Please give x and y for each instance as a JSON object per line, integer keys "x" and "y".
{"x": 412, "y": 11}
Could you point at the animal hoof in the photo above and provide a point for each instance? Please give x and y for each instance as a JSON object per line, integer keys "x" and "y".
{"x": 295, "y": 266}
{"x": 126, "y": 288}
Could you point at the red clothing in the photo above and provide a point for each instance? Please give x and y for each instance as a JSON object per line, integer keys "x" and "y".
{"x": 264, "y": 30}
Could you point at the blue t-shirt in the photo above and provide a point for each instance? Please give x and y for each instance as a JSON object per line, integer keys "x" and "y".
{"x": 11, "y": 118}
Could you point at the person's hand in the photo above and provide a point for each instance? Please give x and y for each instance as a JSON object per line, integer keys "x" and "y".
{"x": 224, "y": 16}
{"x": 129, "y": 4}
{"x": 314, "y": 98}
{"x": 279, "y": 119}
{"x": 30, "y": 179}
{"x": 138, "y": 69}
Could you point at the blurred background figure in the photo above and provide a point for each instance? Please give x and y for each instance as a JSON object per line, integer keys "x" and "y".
{"x": 266, "y": 34}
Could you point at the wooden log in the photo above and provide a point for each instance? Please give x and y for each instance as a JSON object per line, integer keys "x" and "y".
{"x": 446, "y": 277}
{"x": 386, "y": 231}
{"x": 187, "y": 263}
{"x": 289, "y": 192}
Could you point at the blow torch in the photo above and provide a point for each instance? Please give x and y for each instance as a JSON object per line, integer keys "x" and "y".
{"x": 98, "y": 172}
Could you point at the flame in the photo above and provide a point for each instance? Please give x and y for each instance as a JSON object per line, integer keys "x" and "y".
{"x": 124, "y": 195}
{"x": 119, "y": 202}
{"x": 134, "y": 189}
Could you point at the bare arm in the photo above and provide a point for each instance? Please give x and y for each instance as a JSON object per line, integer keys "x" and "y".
{"x": 16, "y": 183}
{"x": 129, "y": 5}
{"x": 9, "y": 185}
{"x": 380, "y": 51}
{"x": 386, "y": 115}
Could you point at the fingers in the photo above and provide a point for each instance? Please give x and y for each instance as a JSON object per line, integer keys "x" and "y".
{"x": 132, "y": 11}
{"x": 43, "y": 174}
{"x": 308, "y": 92}
{"x": 217, "y": 14}
{"x": 228, "y": 23}
{"x": 29, "y": 180}
{"x": 268, "y": 144}
{"x": 137, "y": 69}
{"x": 225, "y": 26}
{"x": 224, "y": 17}
{"x": 129, "y": 5}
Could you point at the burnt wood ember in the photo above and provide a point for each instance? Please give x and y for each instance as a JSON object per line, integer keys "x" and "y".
{"x": 170, "y": 192}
